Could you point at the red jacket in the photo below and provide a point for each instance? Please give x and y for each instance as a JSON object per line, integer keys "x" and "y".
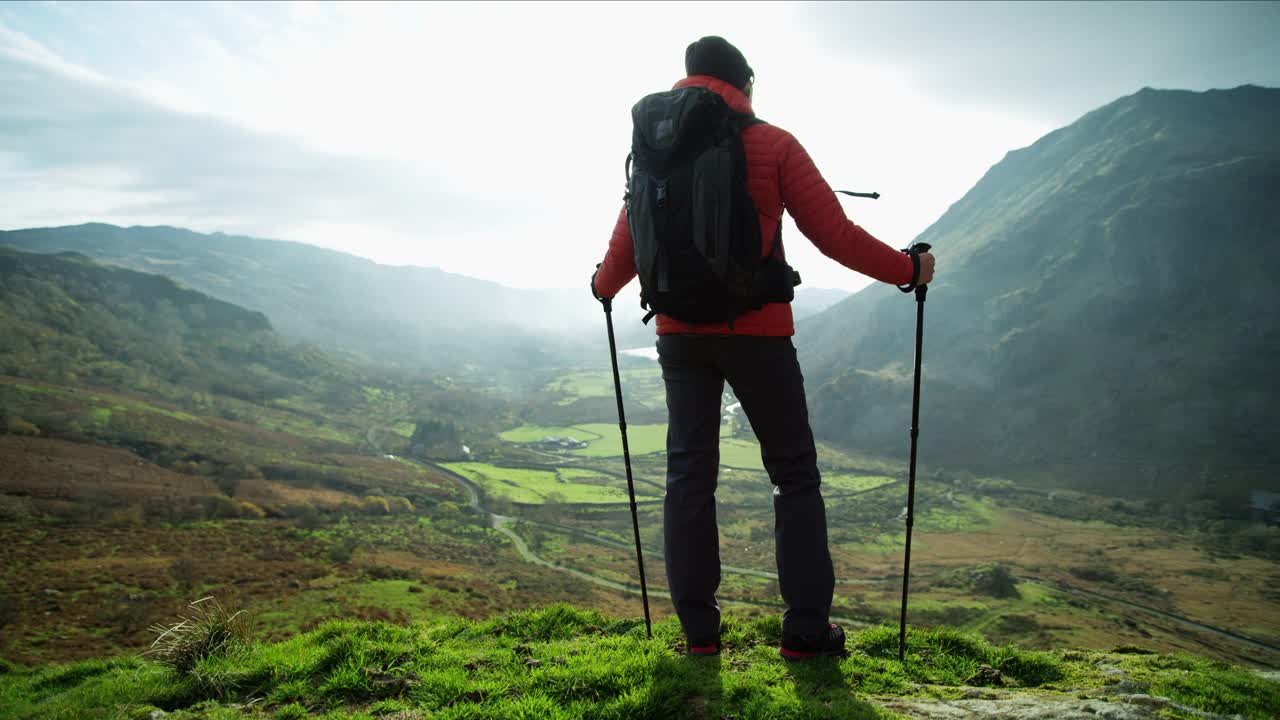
{"x": 779, "y": 175}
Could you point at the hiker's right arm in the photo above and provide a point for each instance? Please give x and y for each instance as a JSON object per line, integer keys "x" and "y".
{"x": 819, "y": 215}
{"x": 619, "y": 264}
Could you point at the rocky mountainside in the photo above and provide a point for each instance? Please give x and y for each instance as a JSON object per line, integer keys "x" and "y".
{"x": 1104, "y": 315}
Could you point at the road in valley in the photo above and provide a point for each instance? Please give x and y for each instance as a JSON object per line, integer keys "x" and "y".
{"x": 502, "y": 524}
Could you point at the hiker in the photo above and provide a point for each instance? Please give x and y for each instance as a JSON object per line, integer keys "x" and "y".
{"x": 752, "y": 350}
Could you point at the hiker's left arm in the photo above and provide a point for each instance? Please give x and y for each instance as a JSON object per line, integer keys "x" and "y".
{"x": 619, "y": 264}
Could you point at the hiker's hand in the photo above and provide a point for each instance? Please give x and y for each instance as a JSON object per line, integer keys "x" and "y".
{"x": 926, "y": 269}
{"x": 595, "y": 294}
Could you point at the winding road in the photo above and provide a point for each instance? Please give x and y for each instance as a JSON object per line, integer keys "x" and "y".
{"x": 502, "y": 523}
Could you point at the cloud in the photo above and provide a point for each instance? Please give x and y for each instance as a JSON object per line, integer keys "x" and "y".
{"x": 1057, "y": 60}
{"x": 449, "y": 134}
{"x": 75, "y": 144}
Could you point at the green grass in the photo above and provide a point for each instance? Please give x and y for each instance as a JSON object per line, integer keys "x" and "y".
{"x": 642, "y": 439}
{"x": 585, "y": 384}
{"x": 964, "y": 515}
{"x": 323, "y": 600}
{"x": 302, "y": 427}
{"x": 524, "y": 485}
{"x": 1207, "y": 685}
{"x": 642, "y": 385}
{"x": 102, "y": 417}
{"x": 535, "y": 433}
{"x": 741, "y": 454}
{"x": 559, "y": 662}
{"x": 845, "y": 482}
{"x": 604, "y": 439}
{"x": 121, "y": 404}
{"x": 1033, "y": 593}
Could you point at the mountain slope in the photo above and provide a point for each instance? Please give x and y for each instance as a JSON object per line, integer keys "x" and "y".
{"x": 412, "y": 315}
{"x": 1104, "y": 314}
{"x": 67, "y": 319}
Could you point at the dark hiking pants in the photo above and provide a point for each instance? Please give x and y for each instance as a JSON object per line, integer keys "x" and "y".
{"x": 765, "y": 377}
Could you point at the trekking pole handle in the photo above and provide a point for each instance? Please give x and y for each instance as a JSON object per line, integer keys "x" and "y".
{"x": 850, "y": 193}
{"x": 915, "y": 251}
{"x": 922, "y": 290}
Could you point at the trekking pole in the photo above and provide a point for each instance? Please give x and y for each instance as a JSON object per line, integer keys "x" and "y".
{"x": 921, "y": 291}
{"x": 626, "y": 456}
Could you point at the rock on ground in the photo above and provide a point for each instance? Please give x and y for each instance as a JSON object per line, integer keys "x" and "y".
{"x": 995, "y": 705}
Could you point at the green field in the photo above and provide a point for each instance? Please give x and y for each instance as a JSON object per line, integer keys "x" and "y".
{"x": 536, "y": 433}
{"x": 962, "y": 515}
{"x": 639, "y": 385}
{"x": 642, "y": 439}
{"x": 532, "y": 487}
{"x": 855, "y": 483}
{"x": 739, "y": 453}
{"x": 604, "y": 438}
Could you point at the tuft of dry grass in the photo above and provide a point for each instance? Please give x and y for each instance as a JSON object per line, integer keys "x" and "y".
{"x": 209, "y": 630}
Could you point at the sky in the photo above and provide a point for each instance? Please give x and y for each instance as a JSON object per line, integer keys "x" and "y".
{"x": 488, "y": 139}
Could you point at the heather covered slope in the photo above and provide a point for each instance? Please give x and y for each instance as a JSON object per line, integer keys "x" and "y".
{"x": 1104, "y": 314}
{"x": 564, "y": 663}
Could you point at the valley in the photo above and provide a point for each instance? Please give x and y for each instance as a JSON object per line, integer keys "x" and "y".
{"x": 97, "y": 547}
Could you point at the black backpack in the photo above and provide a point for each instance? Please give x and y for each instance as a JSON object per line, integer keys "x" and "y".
{"x": 694, "y": 227}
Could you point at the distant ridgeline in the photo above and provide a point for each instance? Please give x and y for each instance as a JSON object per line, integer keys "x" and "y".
{"x": 1106, "y": 314}
{"x": 404, "y": 315}
{"x": 66, "y": 319}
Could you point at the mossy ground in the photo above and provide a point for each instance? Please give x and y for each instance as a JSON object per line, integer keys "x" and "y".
{"x": 560, "y": 662}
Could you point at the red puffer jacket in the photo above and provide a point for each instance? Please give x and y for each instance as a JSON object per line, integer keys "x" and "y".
{"x": 779, "y": 175}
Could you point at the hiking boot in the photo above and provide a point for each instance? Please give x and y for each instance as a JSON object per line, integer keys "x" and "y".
{"x": 803, "y": 647}
{"x": 703, "y": 647}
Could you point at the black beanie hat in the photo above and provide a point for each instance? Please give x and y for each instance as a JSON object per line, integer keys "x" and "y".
{"x": 713, "y": 55}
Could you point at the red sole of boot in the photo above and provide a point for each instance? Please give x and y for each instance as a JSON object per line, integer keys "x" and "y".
{"x": 704, "y": 651}
{"x": 800, "y": 655}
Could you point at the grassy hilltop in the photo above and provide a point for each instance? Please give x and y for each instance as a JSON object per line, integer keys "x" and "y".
{"x": 559, "y": 662}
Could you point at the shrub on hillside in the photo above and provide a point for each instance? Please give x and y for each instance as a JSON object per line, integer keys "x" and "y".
{"x": 383, "y": 572}
{"x": 399, "y": 505}
{"x": 18, "y": 426}
{"x": 308, "y": 517}
{"x": 375, "y": 505}
{"x": 995, "y": 581}
{"x": 250, "y": 511}
{"x": 220, "y": 507}
{"x": 174, "y": 509}
{"x": 209, "y": 630}
{"x": 342, "y": 550}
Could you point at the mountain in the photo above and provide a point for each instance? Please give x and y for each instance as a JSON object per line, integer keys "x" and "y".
{"x": 811, "y": 301}
{"x": 409, "y": 315}
{"x": 1105, "y": 313}
{"x": 66, "y": 319}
